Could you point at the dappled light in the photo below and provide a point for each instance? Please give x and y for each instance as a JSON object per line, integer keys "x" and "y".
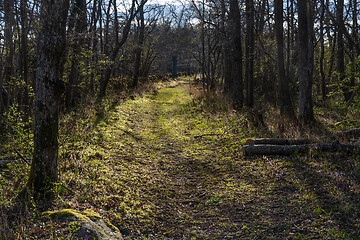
{"x": 179, "y": 119}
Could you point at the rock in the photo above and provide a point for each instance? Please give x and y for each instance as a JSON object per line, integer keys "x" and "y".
{"x": 86, "y": 224}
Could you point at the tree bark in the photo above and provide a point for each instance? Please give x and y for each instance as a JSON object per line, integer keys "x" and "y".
{"x": 340, "y": 49}
{"x": 23, "y": 55}
{"x": 48, "y": 89}
{"x": 285, "y": 103}
{"x": 322, "y": 52}
{"x": 9, "y": 44}
{"x": 305, "y": 49}
{"x": 139, "y": 47}
{"x": 250, "y": 54}
{"x": 80, "y": 21}
{"x": 236, "y": 53}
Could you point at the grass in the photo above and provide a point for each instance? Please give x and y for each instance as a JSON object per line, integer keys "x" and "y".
{"x": 168, "y": 165}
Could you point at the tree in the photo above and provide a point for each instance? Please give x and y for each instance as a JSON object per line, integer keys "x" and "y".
{"x": 77, "y": 18}
{"x": 225, "y": 49}
{"x": 305, "y": 49}
{"x": 236, "y": 53}
{"x": 322, "y": 51}
{"x": 249, "y": 63}
{"x": 48, "y": 88}
{"x": 139, "y": 47}
{"x": 118, "y": 44}
{"x": 9, "y": 45}
{"x": 283, "y": 84}
{"x": 23, "y": 52}
{"x": 340, "y": 47}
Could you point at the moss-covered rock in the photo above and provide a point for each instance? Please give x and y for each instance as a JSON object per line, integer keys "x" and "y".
{"x": 85, "y": 224}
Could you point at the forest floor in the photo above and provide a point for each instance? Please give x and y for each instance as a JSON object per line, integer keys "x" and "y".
{"x": 168, "y": 166}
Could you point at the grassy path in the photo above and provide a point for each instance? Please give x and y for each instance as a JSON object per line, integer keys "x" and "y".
{"x": 166, "y": 167}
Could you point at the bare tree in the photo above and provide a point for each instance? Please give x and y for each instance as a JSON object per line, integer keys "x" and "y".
{"x": 305, "y": 49}
{"x": 285, "y": 103}
{"x": 119, "y": 42}
{"x": 249, "y": 63}
{"x": 139, "y": 46}
{"x": 322, "y": 51}
{"x": 236, "y": 52}
{"x": 9, "y": 44}
{"x": 340, "y": 48}
{"x": 77, "y": 28}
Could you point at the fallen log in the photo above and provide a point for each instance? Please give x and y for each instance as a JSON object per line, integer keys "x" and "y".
{"x": 278, "y": 141}
{"x": 250, "y": 150}
{"x": 352, "y": 133}
{"x": 349, "y": 133}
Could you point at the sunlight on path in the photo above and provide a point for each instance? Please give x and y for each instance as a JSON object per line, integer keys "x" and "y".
{"x": 185, "y": 177}
{"x": 168, "y": 166}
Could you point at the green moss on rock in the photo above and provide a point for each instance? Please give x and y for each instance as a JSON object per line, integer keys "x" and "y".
{"x": 90, "y": 223}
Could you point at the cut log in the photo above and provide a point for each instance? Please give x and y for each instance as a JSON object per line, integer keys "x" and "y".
{"x": 250, "y": 150}
{"x": 278, "y": 141}
{"x": 349, "y": 133}
{"x": 352, "y": 133}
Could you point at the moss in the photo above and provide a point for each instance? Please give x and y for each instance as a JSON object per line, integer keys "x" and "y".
{"x": 91, "y": 214}
{"x": 87, "y": 219}
{"x": 65, "y": 213}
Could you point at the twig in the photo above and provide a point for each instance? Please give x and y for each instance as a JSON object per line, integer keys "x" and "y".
{"x": 21, "y": 156}
{"x": 208, "y": 134}
{"x": 4, "y": 162}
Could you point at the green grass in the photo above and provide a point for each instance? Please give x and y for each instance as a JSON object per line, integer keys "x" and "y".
{"x": 169, "y": 165}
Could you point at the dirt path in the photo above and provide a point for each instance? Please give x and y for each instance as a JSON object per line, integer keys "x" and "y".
{"x": 166, "y": 168}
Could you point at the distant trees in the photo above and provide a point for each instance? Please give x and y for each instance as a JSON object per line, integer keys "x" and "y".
{"x": 237, "y": 46}
{"x": 112, "y": 52}
{"x": 285, "y": 53}
{"x": 309, "y": 47}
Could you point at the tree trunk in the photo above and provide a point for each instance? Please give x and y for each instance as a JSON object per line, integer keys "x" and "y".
{"x": 305, "y": 49}
{"x": 340, "y": 49}
{"x": 249, "y": 63}
{"x": 9, "y": 43}
{"x": 95, "y": 17}
{"x": 236, "y": 53}
{"x": 107, "y": 73}
{"x": 322, "y": 52}
{"x": 23, "y": 56}
{"x": 355, "y": 27}
{"x": 79, "y": 13}
{"x": 278, "y": 141}
{"x": 139, "y": 47}
{"x": 48, "y": 89}
{"x": 285, "y": 104}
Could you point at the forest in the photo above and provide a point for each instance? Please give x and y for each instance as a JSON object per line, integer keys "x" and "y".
{"x": 179, "y": 119}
